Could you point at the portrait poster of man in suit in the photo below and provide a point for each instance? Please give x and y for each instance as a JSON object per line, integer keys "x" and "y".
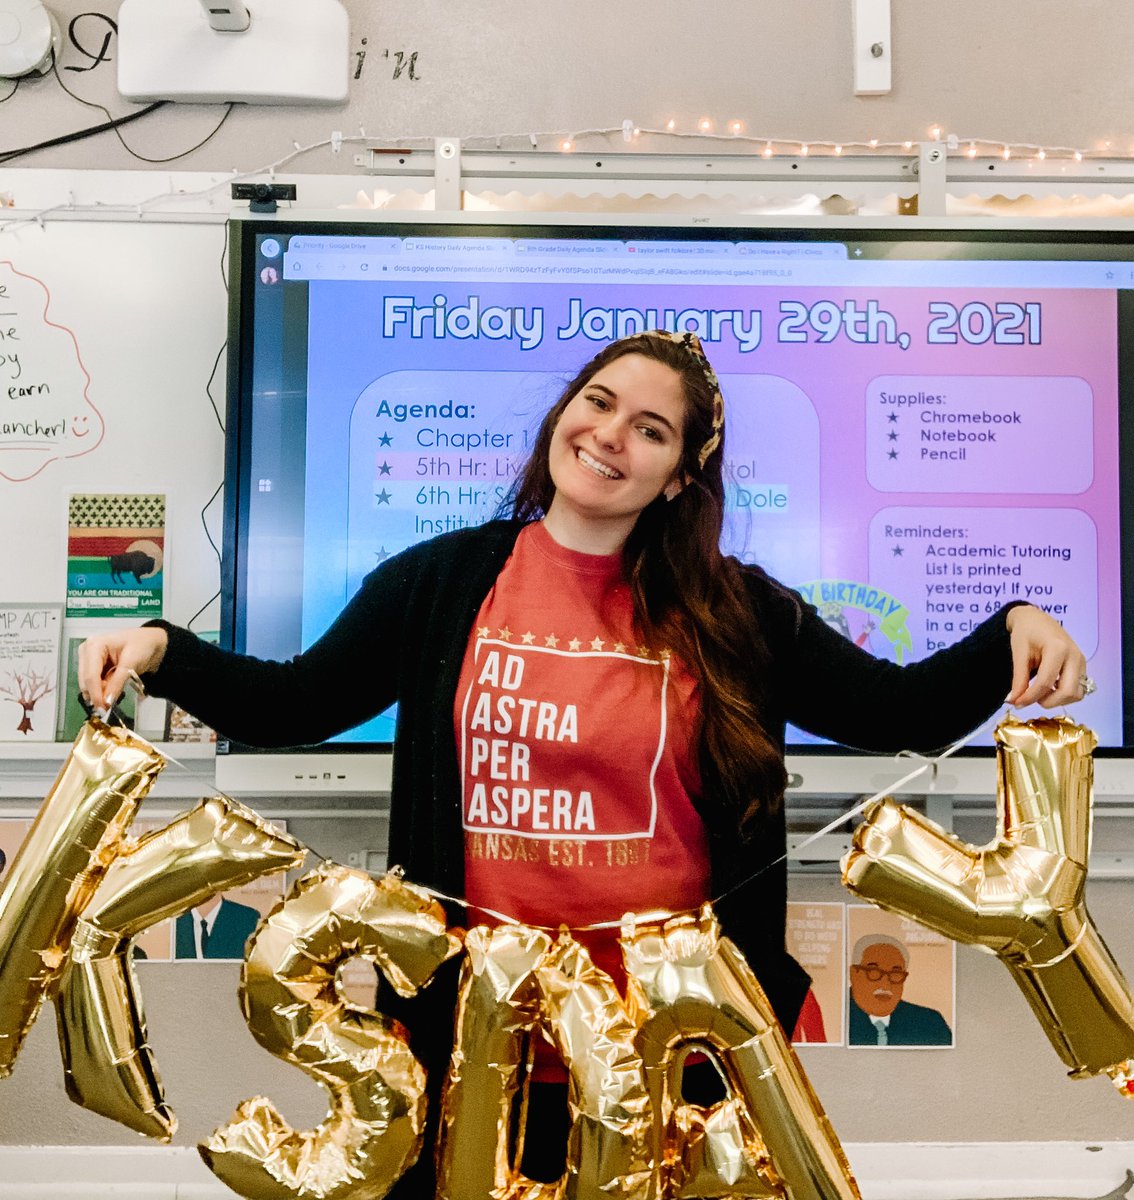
{"x": 219, "y": 928}
{"x": 902, "y": 982}
{"x": 816, "y": 938}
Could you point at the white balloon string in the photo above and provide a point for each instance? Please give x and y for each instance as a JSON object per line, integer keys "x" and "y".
{"x": 929, "y": 764}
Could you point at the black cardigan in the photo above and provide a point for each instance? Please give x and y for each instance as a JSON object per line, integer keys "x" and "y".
{"x": 404, "y": 636}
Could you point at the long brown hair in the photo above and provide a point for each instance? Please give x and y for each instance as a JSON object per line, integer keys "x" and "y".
{"x": 687, "y": 596}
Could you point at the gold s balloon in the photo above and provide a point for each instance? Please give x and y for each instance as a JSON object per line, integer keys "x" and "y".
{"x": 108, "y": 1064}
{"x": 1020, "y": 897}
{"x": 687, "y": 984}
{"x": 291, "y": 1000}
{"x": 52, "y": 878}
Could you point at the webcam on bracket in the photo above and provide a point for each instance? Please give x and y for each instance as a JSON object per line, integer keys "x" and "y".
{"x": 262, "y": 197}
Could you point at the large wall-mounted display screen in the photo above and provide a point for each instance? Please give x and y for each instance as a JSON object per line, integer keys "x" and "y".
{"x": 921, "y": 425}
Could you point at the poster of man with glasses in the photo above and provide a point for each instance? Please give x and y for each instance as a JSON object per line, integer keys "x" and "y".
{"x": 901, "y": 982}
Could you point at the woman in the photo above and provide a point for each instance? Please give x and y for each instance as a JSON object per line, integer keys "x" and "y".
{"x": 592, "y": 699}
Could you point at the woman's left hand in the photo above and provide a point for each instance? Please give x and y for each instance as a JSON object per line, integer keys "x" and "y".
{"x": 1044, "y": 653}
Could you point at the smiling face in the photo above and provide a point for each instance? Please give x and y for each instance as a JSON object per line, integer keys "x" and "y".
{"x": 879, "y": 996}
{"x": 615, "y": 448}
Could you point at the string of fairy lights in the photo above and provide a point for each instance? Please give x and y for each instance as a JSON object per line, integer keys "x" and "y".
{"x": 734, "y": 133}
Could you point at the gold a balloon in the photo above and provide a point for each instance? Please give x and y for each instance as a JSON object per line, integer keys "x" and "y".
{"x": 1021, "y": 897}
{"x": 687, "y": 984}
{"x": 74, "y": 839}
{"x": 295, "y": 1010}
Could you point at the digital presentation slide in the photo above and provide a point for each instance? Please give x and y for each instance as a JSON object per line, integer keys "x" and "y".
{"x": 909, "y": 457}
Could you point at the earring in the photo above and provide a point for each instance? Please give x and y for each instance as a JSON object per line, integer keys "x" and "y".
{"x": 673, "y": 489}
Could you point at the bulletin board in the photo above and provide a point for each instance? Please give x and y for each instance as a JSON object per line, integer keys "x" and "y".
{"x": 112, "y": 336}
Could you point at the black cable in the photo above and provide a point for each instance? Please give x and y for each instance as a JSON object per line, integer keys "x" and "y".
{"x": 78, "y": 135}
{"x": 216, "y": 551}
{"x": 214, "y": 596}
{"x": 15, "y": 89}
{"x": 114, "y": 127}
{"x": 216, "y": 413}
{"x": 209, "y": 385}
{"x": 173, "y": 157}
{"x": 208, "y": 505}
{"x": 224, "y": 258}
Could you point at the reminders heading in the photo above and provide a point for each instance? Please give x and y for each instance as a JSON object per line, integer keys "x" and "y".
{"x": 853, "y": 321}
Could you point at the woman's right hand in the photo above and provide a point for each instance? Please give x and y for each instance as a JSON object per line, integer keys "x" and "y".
{"x": 106, "y": 661}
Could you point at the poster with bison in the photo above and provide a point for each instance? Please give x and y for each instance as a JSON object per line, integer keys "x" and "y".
{"x": 115, "y": 554}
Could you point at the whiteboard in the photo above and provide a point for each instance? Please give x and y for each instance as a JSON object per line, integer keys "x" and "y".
{"x": 109, "y": 332}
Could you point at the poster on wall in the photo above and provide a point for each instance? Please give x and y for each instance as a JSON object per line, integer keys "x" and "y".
{"x": 115, "y": 556}
{"x": 219, "y": 927}
{"x": 151, "y": 944}
{"x": 12, "y": 834}
{"x": 902, "y": 982}
{"x": 29, "y": 671}
{"x": 72, "y": 714}
{"x": 816, "y": 939}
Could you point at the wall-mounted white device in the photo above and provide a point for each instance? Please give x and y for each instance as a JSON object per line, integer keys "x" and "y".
{"x": 29, "y": 38}
{"x": 217, "y": 51}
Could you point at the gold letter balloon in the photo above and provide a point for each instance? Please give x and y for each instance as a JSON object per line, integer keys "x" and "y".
{"x": 632, "y": 1137}
{"x": 688, "y": 985}
{"x": 289, "y": 992}
{"x": 1020, "y": 897}
{"x": 109, "y": 1067}
{"x": 74, "y": 839}
{"x": 497, "y": 1014}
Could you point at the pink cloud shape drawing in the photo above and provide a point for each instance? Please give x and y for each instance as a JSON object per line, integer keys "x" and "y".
{"x": 46, "y": 413}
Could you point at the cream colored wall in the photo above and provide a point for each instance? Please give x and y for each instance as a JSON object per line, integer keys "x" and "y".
{"x": 1018, "y": 70}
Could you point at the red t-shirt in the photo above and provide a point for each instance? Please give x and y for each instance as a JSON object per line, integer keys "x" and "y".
{"x": 576, "y": 753}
